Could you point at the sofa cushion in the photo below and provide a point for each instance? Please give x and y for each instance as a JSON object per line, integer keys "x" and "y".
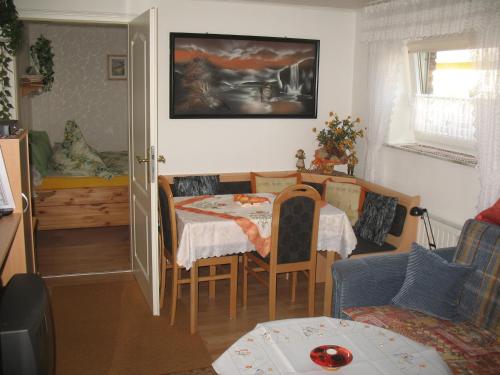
{"x": 490, "y": 215}
{"x": 377, "y": 217}
{"x": 479, "y": 245}
{"x": 465, "y": 348}
{"x": 432, "y": 285}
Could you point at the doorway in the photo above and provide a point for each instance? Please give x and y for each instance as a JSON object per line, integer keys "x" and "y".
{"x": 80, "y": 224}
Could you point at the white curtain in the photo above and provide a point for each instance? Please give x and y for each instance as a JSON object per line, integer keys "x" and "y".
{"x": 384, "y": 79}
{"x": 389, "y": 25}
{"x": 487, "y": 106}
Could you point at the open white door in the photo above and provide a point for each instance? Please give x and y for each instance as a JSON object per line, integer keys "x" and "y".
{"x": 143, "y": 107}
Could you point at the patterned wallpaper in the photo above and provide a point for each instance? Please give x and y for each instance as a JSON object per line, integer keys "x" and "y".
{"x": 81, "y": 90}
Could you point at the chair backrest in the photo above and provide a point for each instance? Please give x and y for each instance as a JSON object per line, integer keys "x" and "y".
{"x": 166, "y": 215}
{"x": 273, "y": 184}
{"x": 196, "y": 185}
{"x": 294, "y": 233}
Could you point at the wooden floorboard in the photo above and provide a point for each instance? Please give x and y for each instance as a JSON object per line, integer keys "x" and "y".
{"x": 84, "y": 250}
{"x": 219, "y": 332}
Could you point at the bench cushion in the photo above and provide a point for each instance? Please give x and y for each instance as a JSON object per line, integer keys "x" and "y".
{"x": 465, "y": 348}
{"x": 377, "y": 217}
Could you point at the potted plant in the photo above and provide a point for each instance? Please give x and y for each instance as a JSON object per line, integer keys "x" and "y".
{"x": 337, "y": 143}
{"x": 43, "y": 63}
{"x": 11, "y": 30}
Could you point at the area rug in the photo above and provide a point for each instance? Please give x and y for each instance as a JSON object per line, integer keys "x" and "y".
{"x": 198, "y": 371}
{"x": 106, "y": 328}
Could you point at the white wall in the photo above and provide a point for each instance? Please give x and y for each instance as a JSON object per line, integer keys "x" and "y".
{"x": 449, "y": 191}
{"x": 82, "y": 91}
{"x": 233, "y": 145}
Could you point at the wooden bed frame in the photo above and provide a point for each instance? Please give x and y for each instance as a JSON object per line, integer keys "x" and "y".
{"x": 84, "y": 207}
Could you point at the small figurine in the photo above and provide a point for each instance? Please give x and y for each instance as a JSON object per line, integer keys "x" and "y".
{"x": 300, "y": 155}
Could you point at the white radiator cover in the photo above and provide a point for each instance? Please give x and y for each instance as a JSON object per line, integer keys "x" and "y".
{"x": 445, "y": 233}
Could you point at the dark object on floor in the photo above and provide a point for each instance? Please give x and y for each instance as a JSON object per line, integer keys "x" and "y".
{"x": 26, "y": 331}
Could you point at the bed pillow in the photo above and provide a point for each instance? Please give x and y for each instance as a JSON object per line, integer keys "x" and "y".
{"x": 377, "y": 217}
{"x": 270, "y": 184}
{"x": 346, "y": 196}
{"x": 74, "y": 156}
{"x": 40, "y": 150}
{"x": 432, "y": 285}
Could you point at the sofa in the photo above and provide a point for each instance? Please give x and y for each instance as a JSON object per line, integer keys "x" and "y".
{"x": 365, "y": 291}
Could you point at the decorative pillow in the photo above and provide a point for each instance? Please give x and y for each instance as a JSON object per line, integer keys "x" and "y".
{"x": 347, "y": 196}
{"x": 490, "y": 215}
{"x": 267, "y": 184}
{"x": 40, "y": 150}
{"x": 432, "y": 285}
{"x": 196, "y": 185}
{"x": 75, "y": 157}
{"x": 377, "y": 217}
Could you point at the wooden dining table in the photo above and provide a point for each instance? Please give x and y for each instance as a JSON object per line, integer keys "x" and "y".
{"x": 218, "y": 225}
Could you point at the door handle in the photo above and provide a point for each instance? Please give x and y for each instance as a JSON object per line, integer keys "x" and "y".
{"x": 25, "y": 200}
{"x": 142, "y": 160}
{"x": 161, "y": 159}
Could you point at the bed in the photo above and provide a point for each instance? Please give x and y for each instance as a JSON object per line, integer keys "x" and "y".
{"x": 75, "y": 197}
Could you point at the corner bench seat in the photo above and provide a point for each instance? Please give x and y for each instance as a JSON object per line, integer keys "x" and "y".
{"x": 465, "y": 348}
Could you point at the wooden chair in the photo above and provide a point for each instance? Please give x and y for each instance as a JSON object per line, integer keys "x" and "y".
{"x": 294, "y": 236}
{"x": 168, "y": 247}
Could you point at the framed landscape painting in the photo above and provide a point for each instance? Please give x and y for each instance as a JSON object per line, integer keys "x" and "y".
{"x": 231, "y": 76}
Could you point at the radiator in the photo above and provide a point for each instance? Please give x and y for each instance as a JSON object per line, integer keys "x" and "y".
{"x": 445, "y": 233}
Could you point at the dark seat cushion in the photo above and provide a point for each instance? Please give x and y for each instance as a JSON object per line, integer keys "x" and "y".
{"x": 196, "y": 185}
{"x": 377, "y": 217}
{"x": 366, "y": 247}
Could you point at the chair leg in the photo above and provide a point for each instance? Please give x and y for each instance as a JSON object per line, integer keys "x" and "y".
{"x": 293, "y": 286}
{"x": 193, "y": 309}
{"x": 175, "y": 288}
{"x": 211, "y": 284}
{"x": 310, "y": 292}
{"x": 233, "y": 287}
{"x": 245, "y": 280}
{"x": 163, "y": 272}
{"x": 272, "y": 296}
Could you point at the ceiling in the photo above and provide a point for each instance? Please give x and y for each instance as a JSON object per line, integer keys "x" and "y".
{"x": 346, "y": 4}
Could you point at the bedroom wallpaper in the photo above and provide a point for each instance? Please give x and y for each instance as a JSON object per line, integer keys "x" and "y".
{"x": 81, "y": 90}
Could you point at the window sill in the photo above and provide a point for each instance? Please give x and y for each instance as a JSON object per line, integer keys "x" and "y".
{"x": 437, "y": 153}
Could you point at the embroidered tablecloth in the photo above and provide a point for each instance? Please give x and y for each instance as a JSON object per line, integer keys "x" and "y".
{"x": 284, "y": 346}
{"x": 217, "y": 225}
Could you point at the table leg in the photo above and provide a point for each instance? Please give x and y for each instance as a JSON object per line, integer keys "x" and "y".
{"x": 233, "y": 287}
{"x": 328, "y": 296}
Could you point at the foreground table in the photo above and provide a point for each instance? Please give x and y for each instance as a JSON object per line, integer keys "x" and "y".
{"x": 217, "y": 225}
{"x": 283, "y": 347}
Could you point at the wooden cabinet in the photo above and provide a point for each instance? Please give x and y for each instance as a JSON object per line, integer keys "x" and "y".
{"x": 21, "y": 257}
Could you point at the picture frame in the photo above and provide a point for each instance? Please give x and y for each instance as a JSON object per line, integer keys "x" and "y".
{"x": 239, "y": 76}
{"x": 6, "y": 198}
{"x": 117, "y": 67}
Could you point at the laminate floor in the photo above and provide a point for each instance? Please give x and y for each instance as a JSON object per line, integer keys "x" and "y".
{"x": 84, "y": 250}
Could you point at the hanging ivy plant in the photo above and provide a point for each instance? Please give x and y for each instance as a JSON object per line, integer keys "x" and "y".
{"x": 11, "y": 31}
{"x": 42, "y": 56}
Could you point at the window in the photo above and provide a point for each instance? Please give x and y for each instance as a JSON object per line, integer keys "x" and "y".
{"x": 443, "y": 85}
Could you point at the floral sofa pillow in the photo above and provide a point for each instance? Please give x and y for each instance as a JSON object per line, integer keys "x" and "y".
{"x": 74, "y": 156}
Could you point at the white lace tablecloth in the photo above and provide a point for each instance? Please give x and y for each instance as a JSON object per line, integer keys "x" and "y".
{"x": 216, "y": 225}
{"x": 283, "y": 347}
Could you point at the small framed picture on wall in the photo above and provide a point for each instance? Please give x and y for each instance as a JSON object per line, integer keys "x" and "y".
{"x": 117, "y": 67}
